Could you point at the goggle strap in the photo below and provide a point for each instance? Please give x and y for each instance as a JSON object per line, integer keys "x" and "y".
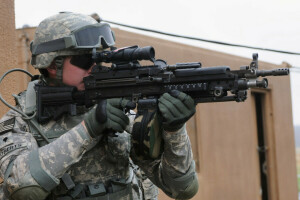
{"x": 46, "y": 47}
{"x": 70, "y": 41}
{"x": 59, "y": 62}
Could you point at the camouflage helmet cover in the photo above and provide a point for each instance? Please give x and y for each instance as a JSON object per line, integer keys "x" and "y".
{"x": 55, "y": 27}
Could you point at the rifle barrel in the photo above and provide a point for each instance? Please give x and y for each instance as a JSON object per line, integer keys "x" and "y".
{"x": 274, "y": 72}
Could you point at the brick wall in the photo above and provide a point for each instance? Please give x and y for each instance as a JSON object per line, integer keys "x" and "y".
{"x": 8, "y": 57}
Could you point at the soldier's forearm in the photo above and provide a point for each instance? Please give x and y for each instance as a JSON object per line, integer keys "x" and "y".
{"x": 68, "y": 149}
{"x": 174, "y": 172}
{"x": 177, "y": 156}
{"x": 177, "y": 167}
{"x": 42, "y": 168}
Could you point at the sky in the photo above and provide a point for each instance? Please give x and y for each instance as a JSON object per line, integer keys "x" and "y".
{"x": 263, "y": 23}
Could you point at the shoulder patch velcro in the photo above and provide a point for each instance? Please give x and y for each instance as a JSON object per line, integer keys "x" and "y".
{"x": 7, "y": 125}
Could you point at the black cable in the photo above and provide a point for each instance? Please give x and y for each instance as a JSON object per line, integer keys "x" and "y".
{"x": 24, "y": 116}
{"x": 203, "y": 40}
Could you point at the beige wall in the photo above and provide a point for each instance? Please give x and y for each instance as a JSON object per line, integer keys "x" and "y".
{"x": 223, "y": 135}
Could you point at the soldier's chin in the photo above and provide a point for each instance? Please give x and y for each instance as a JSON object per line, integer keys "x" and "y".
{"x": 80, "y": 87}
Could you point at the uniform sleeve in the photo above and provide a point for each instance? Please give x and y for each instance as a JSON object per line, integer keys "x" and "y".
{"x": 29, "y": 172}
{"x": 174, "y": 172}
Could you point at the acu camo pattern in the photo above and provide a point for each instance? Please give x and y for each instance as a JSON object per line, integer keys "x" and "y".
{"x": 55, "y": 27}
{"x": 89, "y": 160}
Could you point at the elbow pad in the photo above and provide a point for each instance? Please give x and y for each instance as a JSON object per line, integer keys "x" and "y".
{"x": 184, "y": 187}
{"x": 33, "y": 192}
{"x": 28, "y": 189}
{"x": 191, "y": 189}
{"x": 35, "y": 184}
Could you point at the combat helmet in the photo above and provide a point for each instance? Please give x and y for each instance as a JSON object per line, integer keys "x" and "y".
{"x": 67, "y": 34}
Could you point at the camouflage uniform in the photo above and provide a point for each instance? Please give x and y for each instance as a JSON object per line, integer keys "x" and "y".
{"x": 76, "y": 166}
{"x": 100, "y": 166}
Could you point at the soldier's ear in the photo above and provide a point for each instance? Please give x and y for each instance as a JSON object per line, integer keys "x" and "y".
{"x": 52, "y": 70}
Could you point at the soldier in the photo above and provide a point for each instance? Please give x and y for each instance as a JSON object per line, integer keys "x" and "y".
{"x": 73, "y": 157}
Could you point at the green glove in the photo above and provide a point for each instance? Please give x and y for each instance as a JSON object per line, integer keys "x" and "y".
{"x": 176, "y": 108}
{"x": 108, "y": 115}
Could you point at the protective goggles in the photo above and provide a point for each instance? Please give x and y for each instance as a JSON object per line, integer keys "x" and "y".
{"x": 87, "y": 37}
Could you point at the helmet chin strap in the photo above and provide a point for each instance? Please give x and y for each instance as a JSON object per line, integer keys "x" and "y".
{"x": 58, "y": 80}
{"x": 59, "y": 62}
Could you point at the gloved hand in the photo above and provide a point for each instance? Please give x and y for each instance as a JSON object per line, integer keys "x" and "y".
{"x": 176, "y": 108}
{"x": 108, "y": 115}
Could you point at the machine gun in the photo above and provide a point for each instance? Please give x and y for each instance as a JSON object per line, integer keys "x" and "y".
{"x": 145, "y": 84}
